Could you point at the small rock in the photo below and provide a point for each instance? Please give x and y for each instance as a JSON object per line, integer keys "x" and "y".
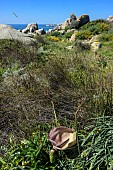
{"x": 69, "y": 47}
{"x": 110, "y": 18}
{"x": 95, "y": 46}
{"x": 40, "y": 31}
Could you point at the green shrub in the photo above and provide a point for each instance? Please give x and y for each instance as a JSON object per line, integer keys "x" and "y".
{"x": 55, "y": 33}
{"x": 82, "y": 35}
{"x": 16, "y": 52}
{"x": 67, "y": 28}
{"x": 29, "y": 154}
{"x": 53, "y": 38}
{"x": 99, "y": 28}
{"x": 106, "y": 37}
{"x": 40, "y": 39}
{"x": 91, "y": 29}
{"x": 94, "y": 28}
{"x": 94, "y": 23}
{"x": 68, "y": 34}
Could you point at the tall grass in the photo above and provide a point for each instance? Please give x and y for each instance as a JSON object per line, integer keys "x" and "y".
{"x": 68, "y": 87}
{"x": 98, "y": 145}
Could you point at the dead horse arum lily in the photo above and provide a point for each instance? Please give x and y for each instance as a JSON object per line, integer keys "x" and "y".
{"x": 61, "y": 138}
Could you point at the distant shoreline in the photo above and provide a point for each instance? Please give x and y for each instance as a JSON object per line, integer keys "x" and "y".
{"x": 46, "y": 27}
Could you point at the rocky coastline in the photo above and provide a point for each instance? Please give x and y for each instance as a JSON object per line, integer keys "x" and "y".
{"x": 73, "y": 23}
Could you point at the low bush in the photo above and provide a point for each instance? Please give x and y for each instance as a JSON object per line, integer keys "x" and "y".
{"x": 99, "y": 28}
{"x": 92, "y": 28}
{"x": 15, "y": 51}
{"x": 106, "y": 37}
{"x": 82, "y": 35}
{"x": 40, "y": 39}
{"x": 67, "y": 28}
{"x": 53, "y": 38}
{"x": 29, "y": 154}
{"x": 56, "y": 34}
{"x": 98, "y": 22}
{"x": 68, "y": 34}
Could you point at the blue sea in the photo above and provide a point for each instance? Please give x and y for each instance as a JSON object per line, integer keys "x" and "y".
{"x": 22, "y": 26}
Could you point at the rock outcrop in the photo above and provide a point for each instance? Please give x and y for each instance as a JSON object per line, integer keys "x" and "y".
{"x": 31, "y": 28}
{"x": 49, "y": 31}
{"x": 7, "y": 32}
{"x": 95, "y": 46}
{"x": 83, "y": 19}
{"x": 110, "y": 18}
{"x": 74, "y": 22}
{"x": 73, "y": 37}
{"x": 95, "y": 43}
{"x": 40, "y": 31}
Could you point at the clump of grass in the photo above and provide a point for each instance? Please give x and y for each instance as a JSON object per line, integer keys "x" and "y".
{"x": 56, "y": 34}
{"x": 98, "y": 145}
{"x": 16, "y": 52}
{"x": 29, "y": 154}
{"x": 68, "y": 34}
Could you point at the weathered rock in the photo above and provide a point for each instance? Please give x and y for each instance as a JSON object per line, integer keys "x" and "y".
{"x": 65, "y": 24}
{"x": 49, "y": 31}
{"x": 25, "y": 31}
{"x": 62, "y": 32}
{"x": 95, "y": 46}
{"x": 110, "y": 18}
{"x": 70, "y": 30}
{"x": 31, "y": 28}
{"x": 40, "y": 31}
{"x": 83, "y": 19}
{"x": 73, "y": 37}
{"x": 69, "y": 47}
{"x": 94, "y": 43}
{"x": 74, "y": 22}
{"x": 7, "y": 32}
{"x": 83, "y": 45}
{"x": 94, "y": 39}
{"x": 70, "y": 22}
{"x": 72, "y": 16}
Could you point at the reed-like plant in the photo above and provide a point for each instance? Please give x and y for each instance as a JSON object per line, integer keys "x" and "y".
{"x": 98, "y": 145}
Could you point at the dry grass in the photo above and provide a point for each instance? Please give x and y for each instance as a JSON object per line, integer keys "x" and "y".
{"x": 75, "y": 82}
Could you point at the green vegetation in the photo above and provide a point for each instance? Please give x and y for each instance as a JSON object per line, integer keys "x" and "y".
{"x": 56, "y": 34}
{"x": 84, "y": 34}
{"x": 93, "y": 28}
{"x": 47, "y": 85}
{"x": 53, "y": 38}
{"x": 101, "y": 24}
{"x": 68, "y": 34}
{"x": 106, "y": 37}
{"x": 67, "y": 28}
